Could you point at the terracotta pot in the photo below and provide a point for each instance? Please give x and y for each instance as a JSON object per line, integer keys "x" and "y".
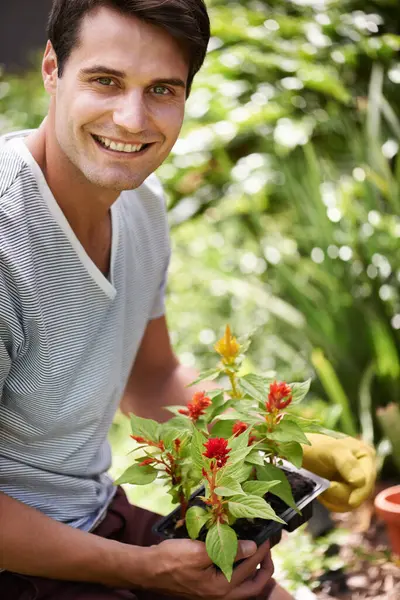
{"x": 387, "y": 505}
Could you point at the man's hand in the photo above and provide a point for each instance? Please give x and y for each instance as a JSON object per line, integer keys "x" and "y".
{"x": 183, "y": 568}
{"x": 348, "y": 463}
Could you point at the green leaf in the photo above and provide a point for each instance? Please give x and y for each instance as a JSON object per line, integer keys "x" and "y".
{"x": 218, "y": 406}
{"x": 180, "y": 422}
{"x": 293, "y": 452}
{"x": 221, "y": 546}
{"x": 175, "y": 408}
{"x": 240, "y": 442}
{"x": 315, "y": 428}
{"x": 288, "y": 431}
{"x": 258, "y": 488}
{"x": 196, "y": 517}
{"x": 232, "y": 414}
{"x": 235, "y": 464}
{"x": 256, "y": 386}
{"x": 308, "y": 425}
{"x": 255, "y": 458}
{"x": 137, "y": 475}
{"x": 210, "y": 374}
{"x": 146, "y": 428}
{"x": 197, "y": 449}
{"x": 251, "y": 507}
{"x": 244, "y": 473}
{"x": 228, "y": 486}
{"x": 170, "y": 433}
{"x": 283, "y": 490}
{"x": 300, "y": 390}
{"x": 222, "y": 429}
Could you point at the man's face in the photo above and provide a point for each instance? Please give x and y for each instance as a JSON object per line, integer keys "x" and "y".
{"x": 119, "y": 105}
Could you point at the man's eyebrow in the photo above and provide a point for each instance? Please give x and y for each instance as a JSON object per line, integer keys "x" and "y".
{"x": 101, "y": 69}
{"x": 172, "y": 81}
{"x": 110, "y": 71}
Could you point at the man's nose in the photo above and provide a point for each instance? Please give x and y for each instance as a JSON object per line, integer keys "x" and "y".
{"x": 131, "y": 113}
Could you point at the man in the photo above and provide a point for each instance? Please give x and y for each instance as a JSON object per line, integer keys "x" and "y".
{"x": 84, "y": 251}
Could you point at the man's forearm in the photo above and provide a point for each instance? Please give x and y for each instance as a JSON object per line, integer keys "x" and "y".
{"x": 149, "y": 399}
{"x": 33, "y": 544}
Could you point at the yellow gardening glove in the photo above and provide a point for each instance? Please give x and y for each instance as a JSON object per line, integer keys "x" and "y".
{"x": 348, "y": 463}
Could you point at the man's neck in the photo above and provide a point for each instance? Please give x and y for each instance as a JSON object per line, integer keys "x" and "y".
{"x": 85, "y": 206}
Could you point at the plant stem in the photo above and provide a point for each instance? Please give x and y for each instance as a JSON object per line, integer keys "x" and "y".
{"x": 234, "y": 392}
{"x": 183, "y": 504}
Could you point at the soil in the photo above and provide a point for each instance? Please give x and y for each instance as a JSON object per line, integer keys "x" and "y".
{"x": 372, "y": 572}
{"x": 249, "y": 529}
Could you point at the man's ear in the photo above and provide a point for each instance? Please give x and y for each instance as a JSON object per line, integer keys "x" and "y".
{"x": 50, "y": 69}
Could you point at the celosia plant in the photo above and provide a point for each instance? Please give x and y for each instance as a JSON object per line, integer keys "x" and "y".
{"x": 231, "y": 442}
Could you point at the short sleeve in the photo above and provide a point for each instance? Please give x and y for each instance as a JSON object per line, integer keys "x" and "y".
{"x": 159, "y": 303}
{"x": 5, "y": 365}
{"x": 10, "y": 333}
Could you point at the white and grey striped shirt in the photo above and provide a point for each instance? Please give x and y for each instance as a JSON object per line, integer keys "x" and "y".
{"x": 68, "y": 336}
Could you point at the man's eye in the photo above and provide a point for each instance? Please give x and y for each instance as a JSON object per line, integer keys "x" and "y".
{"x": 161, "y": 90}
{"x": 106, "y": 81}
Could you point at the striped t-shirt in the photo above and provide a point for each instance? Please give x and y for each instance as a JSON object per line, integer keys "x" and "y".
{"x": 68, "y": 336}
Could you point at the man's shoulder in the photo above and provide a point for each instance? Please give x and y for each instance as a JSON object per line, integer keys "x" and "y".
{"x": 15, "y": 174}
{"x": 12, "y": 168}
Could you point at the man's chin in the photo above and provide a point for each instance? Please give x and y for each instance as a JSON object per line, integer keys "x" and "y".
{"x": 115, "y": 184}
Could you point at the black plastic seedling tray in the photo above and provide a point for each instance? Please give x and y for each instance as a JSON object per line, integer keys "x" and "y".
{"x": 269, "y": 530}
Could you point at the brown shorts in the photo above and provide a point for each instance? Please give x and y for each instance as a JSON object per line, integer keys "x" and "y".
{"x": 124, "y": 523}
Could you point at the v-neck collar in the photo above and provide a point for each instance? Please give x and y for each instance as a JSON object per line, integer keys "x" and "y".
{"x": 107, "y": 285}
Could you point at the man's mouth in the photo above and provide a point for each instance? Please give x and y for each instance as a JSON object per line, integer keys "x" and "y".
{"x": 120, "y": 147}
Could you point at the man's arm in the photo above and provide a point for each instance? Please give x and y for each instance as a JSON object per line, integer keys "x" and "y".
{"x": 33, "y": 544}
{"x": 157, "y": 378}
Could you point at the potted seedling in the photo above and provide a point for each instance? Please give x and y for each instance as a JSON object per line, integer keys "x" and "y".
{"x": 231, "y": 459}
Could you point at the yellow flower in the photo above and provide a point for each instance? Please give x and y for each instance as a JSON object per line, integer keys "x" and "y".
{"x": 228, "y": 347}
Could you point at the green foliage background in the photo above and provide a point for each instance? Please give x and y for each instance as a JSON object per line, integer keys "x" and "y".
{"x": 284, "y": 198}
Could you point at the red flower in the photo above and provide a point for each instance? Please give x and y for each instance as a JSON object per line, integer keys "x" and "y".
{"x": 197, "y": 407}
{"x": 177, "y": 444}
{"x": 279, "y": 397}
{"x": 146, "y": 461}
{"x": 139, "y": 439}
{"x": 238, "y": 428}
{"x": 217, "y": 448}
{"x": 142, "y": 440}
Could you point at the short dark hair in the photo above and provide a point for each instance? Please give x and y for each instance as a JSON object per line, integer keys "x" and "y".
{"x": 186, "y": 20}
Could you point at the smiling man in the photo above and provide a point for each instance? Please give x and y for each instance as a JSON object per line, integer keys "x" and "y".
{"x": 84, "y": 251}
{"x": 83, "y": 260}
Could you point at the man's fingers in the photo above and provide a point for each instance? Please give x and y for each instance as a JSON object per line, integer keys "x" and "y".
{"x": 336, "y": 497}
{"x": 248, "y": 567}
{"x": 254, "y": 585}
{"x": 358, "y": 495}
{"x": 340, "y": 508}
{"x": 349, "y": 468}
{"x": 193, "y": 549}
{"x": 337, "y": 492}
{"x": 246, "y": 548}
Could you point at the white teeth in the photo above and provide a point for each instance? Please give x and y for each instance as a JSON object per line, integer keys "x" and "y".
{"x": 119, "y": 147}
